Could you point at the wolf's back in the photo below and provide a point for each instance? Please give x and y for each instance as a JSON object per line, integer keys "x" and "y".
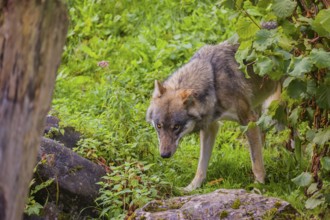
{"x": 204, "y": 67}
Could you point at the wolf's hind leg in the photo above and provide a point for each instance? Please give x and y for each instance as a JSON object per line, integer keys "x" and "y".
{"x": 255, "y": 141}
{"x": 207, "y": 139}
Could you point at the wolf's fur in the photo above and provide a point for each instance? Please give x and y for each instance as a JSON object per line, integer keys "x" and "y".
{"x": 209, "y": 88}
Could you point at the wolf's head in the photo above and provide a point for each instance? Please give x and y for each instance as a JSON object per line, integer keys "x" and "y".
{"x": 172, "y": 114}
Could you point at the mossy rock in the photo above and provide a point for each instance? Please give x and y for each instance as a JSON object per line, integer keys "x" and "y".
{"x": 221, "y": 204}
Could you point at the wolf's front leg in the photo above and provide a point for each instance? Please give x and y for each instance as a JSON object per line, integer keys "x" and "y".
{"x": 254, "y": 137}
{"x": 207, "y": 139}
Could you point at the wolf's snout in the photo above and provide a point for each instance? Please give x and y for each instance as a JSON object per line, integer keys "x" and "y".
{"x": 166, "y": 155}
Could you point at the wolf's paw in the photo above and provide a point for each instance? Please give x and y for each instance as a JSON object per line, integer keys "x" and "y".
{"x": 259, "y": 175}
{"x": 188, "y": 188}
{"x": 192, "y": 186}
{"x": 260, "y": 179}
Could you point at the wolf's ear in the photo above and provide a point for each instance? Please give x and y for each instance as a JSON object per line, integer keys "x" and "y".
{"x": 149, "y": 114}
{"x": 159, "y": 90}
{"x": 187, "y": 96}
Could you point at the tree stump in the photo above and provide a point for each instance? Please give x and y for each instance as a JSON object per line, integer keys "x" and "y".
{"x": 32, "y": 35}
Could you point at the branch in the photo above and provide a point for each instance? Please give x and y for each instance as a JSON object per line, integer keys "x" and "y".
{"x": 249, "y": 16}
{"x": 303, "y": 6}
{"x": 326, "y": 3}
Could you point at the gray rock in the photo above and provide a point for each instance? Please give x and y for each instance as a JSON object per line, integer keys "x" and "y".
{"x": 74, "y": 187}
{"x": 51, "y": 122}
{"x": 67, "y": 136}
{"x": 221, "y": 204}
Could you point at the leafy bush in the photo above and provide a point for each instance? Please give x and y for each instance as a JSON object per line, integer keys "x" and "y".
{"x": 290, "y": 40}
{"x": 32, "y": 207}
{"x": 126, "y": 188}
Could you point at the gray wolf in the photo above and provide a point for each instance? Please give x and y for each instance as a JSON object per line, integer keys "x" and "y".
{"x": 209, "y": 88}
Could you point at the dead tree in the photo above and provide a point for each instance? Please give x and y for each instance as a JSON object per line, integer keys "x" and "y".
{"x": 32, "y": 35}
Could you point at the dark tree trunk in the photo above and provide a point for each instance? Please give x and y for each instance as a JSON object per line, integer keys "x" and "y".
{"x": 32, "y": 35}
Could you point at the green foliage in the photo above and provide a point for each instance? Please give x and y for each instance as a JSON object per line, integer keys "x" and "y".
{"x": 325, "y": 161}
{"x": 32, "y": 207}
{"x": 320, "y": 58}
{"x": 322, "y": 137}
{"x": 126, "y": 188}
{"x": 300, "y": 66}
{"x": 304, "y": 179}
{"x": 295, "y": 50}
{"x": 283, "y": 8}
{"x": 264, "y": 39}
{"x": 246, "y": 29}
{"x": 321, "y": 24}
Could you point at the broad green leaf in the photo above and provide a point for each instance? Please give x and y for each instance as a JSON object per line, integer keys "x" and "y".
{"x": 320, "y": 58}
{"x": 254, "y": 12}
{"x": 34, "y": 209}
{"x": 323, "y": 96}
{"x": 282, "y": 54}
{"x": 289, "y": 28}
{"x": 296, "y": 88}
{"x": 238, "y": 4}
{"x": 246, "y": 29}
{"x": 245, "y": 44}
{"x": 227, "y": 4}
{"x": 312, "y": 203}
{"x": 304, "y": 179}
{"x": 310, "y": 134}
{"x": 278, "y": 110}
{"x": 287, "y": 81}
{"x": 325, "y": 161}
{"x": 285, "y": 43}
{"x": 294, "y": 116}
{"x": 300, "y": 66}
{"x": 241, "y": 55}
{"x": 321, "y": 24}
{"x": 263, "y": 39}
{"x": 312, "y": 189}
{"x": 263, "y": 3}
{"x": 252, "y": 56}
{"x": 322, "y": 137}
{"x": 311, "y": 87}
{"x": 283, "y": 8}
{"x": 263, "y": 66}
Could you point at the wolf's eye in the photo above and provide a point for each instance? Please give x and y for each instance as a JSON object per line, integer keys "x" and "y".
{"x": 159, "y": 126}
{"x": 176, "y": 127}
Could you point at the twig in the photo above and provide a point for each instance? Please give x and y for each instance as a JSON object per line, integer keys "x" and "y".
{"x": 247, "y": 14}
{"x": 303, "y": 5}
{"x": 326, "y": 3}
{"x": 314, "y": 39}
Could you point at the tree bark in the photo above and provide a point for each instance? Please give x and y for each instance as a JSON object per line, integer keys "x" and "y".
{"x": 32, "y": 35}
